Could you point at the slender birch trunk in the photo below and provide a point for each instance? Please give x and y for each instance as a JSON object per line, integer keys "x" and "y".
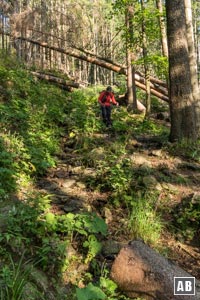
{"x": 146, "y": 66}
{"x": 162, "y": 25}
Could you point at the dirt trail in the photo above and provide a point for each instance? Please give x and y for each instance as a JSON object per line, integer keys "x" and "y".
{"x": 67, "y": 185}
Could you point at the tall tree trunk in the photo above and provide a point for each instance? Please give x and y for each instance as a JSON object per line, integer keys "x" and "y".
{"x": 2, "y": 35}
{"x": 182, "y": 102}
{"x": 146, "y": 66}
{"x": 192, "y": 59}
{"x": 131, "y": 90}
{"x": 197, "y": 35}
{"x": 191, "y": 46}
{"x": 162, "y": 28}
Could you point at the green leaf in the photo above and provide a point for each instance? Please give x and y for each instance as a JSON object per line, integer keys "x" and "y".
{"x": 93, "y": 244}
{"x": 108, "y": 284}
{"x": 50, "y": 218}
{"x": 90, "y": 292}
{"x": 94, "y": 224}
{"x": 51, "y": 221}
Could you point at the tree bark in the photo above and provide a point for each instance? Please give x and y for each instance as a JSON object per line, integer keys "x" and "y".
{"x": 182, "y": 102}
{"x": 159, "y": 5}
{"x": 131, "y": 85}
{"x": 140, "y": 271}
{"x": 146, "y": 65}
{"x": 192, "y": 60}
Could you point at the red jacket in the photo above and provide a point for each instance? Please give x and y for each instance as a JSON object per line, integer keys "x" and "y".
{"x": 110, "y": 99}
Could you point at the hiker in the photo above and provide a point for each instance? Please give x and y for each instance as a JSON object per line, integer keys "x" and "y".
{"x": 106, "y": 99}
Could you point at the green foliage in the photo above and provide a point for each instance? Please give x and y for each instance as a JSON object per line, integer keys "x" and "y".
{"x": 94, "y": 247}
{"x": 45, "y": 234}
{"x": 143, "y": 220}
{"x": 187, "y": 218}
{"x": 158, "y": 106}
{"x": 104, "y": 289}
{"x": 158, "y": 62}
{"x": 186, "y": 149}
{"x": 81, "y": 112}
{"x": 30, "y": 119}
{"x": 82, "y": 223}
{"x": 108, "y": 285}
{"x": 114, "y": 173}
{"x": 90, "y": 292}
{"x": 14, "y": 279}
{"x": 7, "y": 170}
{"x": 148, "y": 126}
{"x": 143, "y": 17}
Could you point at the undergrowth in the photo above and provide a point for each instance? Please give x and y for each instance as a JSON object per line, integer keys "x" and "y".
{"x": 186, "y": 149}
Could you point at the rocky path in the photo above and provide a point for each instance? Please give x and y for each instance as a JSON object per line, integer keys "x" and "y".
{"x": 174, "y": 178}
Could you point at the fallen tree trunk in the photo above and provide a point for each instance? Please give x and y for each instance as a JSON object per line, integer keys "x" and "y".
{"x": 155, "y": 86}
{"x": 153, "y": 91}
{"x": 114, "y": 63}
{"x": 158, "y": 89}
{"x": 66, "y": 84}
{"x": 154, "y": 80}
{"x": 60, "y": 81}
{"x": 77, "y": 54}
{"x": 102, "y": 63}
{"x": 140, "y": 271}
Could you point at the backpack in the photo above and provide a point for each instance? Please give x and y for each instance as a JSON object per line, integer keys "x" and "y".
{"x": 105, "y": 97}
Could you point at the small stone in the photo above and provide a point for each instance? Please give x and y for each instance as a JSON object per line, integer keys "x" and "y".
{"x": 157, "y": 153}
{"x": 89, "y": 172}
{"x": 108, "y": 215}
{"x": 140, "y": 160}
{"x": 98, "y": 154}
{"x": 111, "y": 247}
{"x": 81, "y": 185}
{"x": 68, "y": 183}
{"x": 150, "y": 181}
{"x": 73, "y": 205}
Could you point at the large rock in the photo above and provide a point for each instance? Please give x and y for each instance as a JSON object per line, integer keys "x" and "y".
{"x": 140, "y": 271}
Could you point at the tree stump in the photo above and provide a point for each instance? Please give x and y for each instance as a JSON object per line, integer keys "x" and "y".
{"x": 140, "y": 271}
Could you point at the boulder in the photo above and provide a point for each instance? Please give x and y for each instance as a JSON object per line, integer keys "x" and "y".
{"x": 140, "y": 271}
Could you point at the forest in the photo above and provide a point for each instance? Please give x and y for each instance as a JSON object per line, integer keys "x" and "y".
{"x": 93, "y": 210}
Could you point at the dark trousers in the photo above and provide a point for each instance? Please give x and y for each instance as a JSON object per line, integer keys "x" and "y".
{"x": 106, "y": 115}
